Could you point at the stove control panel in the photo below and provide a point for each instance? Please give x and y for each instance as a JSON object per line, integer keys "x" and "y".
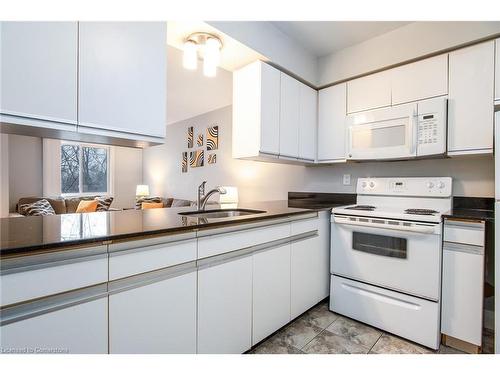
{"x": 406, "y": 186}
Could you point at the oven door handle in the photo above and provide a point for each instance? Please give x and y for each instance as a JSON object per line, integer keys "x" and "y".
{"x": 414, "y": 229}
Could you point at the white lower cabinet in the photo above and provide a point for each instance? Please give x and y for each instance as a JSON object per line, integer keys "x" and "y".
{"x": 79, "y": 329}
{"x": 225, "y": 307}
{"x": 310, "y": 273}
{"x": 155, "y": 318}
{"x": 463, "y": 281}
{"x": 271, "y": 291}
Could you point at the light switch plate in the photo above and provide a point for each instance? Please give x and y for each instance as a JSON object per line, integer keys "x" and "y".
{"x": 346, "y": 180}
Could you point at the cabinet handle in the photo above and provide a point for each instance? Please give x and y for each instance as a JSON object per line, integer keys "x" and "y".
{"x": 30, "y": 309}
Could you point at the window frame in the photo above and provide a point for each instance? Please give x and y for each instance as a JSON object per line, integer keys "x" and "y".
{"x": 80, "y": 170}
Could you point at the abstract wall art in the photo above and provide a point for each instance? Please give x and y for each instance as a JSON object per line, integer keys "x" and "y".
{"x": 213, "y": 138}
{"x": 196, "y": 159}
{"x": 190, "y": 134}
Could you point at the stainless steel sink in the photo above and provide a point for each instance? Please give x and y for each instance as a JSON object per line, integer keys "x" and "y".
{"x": 221, "y": 213}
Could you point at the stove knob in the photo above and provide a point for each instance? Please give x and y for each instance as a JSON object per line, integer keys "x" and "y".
{"x": 441, "y": 185}
{"x": 372, "y": 184}
{"x": 430, "y": 185}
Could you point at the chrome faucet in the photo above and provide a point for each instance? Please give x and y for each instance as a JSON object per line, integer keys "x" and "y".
{"x": 203, "y": 198}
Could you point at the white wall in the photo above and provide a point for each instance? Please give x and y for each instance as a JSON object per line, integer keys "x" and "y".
{"x": 271, "y": 42}
{"x": 259, "y": 181}
{"x": 25, "y": 168}
{"x": 127, "y": 174}
{"x": 405, "y": 43}
{"x": 190, "y": 93}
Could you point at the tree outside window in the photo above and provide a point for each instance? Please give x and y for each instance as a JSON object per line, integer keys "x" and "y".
{"x": 84, "y": 169}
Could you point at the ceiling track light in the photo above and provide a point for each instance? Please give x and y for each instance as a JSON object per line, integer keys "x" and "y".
{"x": 209, "y": 46}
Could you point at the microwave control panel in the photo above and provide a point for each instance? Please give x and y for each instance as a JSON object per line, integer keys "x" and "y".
{"x": 427, "y": 129}
{"x": 431, "y": 127}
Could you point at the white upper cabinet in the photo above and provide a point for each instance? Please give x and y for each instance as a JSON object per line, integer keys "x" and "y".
{"x": 497, "y": 70}
{"x": 256, "y": 110}
{"x": 308, "y": 122}
{"x": 122, "y": 77}
{"x": 470, "y": 99}
{"x": 420, "y": 80}
{"x": 289, "y": 116}
{"x": 331, "y": 123}
{"x": 372, "y": 91}
{"x": 39, "y": 70}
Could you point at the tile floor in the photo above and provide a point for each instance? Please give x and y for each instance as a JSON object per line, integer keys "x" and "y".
{"x": 320, "y": 331}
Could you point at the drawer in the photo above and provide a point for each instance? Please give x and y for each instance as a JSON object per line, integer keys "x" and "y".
{"x": 403, "y": 315}
{"x": 303, "y": 226}
{"x": 131, "y": 258}
{"x": 471, "y": 233}
{"x": 230, "y": 241}
{"x": 55, "y": 273}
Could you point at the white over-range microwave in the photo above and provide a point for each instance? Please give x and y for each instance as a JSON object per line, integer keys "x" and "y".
{"x": 405, "y": 131}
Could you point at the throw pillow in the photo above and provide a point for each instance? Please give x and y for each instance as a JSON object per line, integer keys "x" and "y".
{"x": 148, "y": 205}
{"x": 138, "y": 201}
{"x": 86, "y": 206}
{"x": 38, "y": 208}
{"x": 103, "y": 203}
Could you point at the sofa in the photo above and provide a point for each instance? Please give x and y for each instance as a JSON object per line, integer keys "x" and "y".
{"x": 60, "y": 205}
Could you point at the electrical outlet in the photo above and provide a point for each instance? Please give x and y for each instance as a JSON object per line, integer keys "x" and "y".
{"x": 346, "y": 180}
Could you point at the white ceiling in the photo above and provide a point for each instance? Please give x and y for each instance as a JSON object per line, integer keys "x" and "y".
{"x": 324, "y": 37}
{"x": 190, "y": 93}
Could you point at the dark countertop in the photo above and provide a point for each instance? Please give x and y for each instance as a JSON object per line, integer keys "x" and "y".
{"x": 472, "y": 208}
{"x": 30, "y": 235}
{"x": 320, "y": 201}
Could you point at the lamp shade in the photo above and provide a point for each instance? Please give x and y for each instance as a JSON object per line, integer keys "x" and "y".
{"x": 142, "y": 190}
{"x": 231, "y": 195}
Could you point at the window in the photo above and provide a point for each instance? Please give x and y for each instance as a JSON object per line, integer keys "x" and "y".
{"x": 84, "y": 168}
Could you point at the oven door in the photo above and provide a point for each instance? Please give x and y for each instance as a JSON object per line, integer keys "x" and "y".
{"x": 382, "y": 134}
{"x": 399, "y": 255}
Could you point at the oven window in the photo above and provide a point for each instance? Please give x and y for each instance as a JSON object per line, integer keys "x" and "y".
{"x": 365, "y": 137}
{"x": 379, "y": 245}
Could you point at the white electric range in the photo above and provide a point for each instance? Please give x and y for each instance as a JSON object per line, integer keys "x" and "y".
{"x": 386, "y": 256}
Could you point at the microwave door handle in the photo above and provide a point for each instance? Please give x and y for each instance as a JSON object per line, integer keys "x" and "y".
{"x": 412, "y": 118}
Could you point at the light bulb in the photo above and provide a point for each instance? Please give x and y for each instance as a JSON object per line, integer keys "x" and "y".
{"x": 190, "y": 57}
{"x": 211, "y": 57}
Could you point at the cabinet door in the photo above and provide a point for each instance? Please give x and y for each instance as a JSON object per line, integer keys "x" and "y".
{"x": 310, "y": 270}
{"x": 497, "y": 69}
{"x": 122, "y": 77}
{"x": 225, "y": 307}
{"x": 462, "y": 299}
{"x": 271, "y": 291}
{"x": 373, "y": 91}
{"x": 155, "y": 318}
{"x": 38, "y": 63}
{"x": 269, "y": 109}
{"x": 308, "y": 122}
{"x": 331, "y": 123}
{"x": 470, "y": 100}
{"x": 289, "y": 116}
{"x": 79, "y": 329}
{"x": 420, "y": 80}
